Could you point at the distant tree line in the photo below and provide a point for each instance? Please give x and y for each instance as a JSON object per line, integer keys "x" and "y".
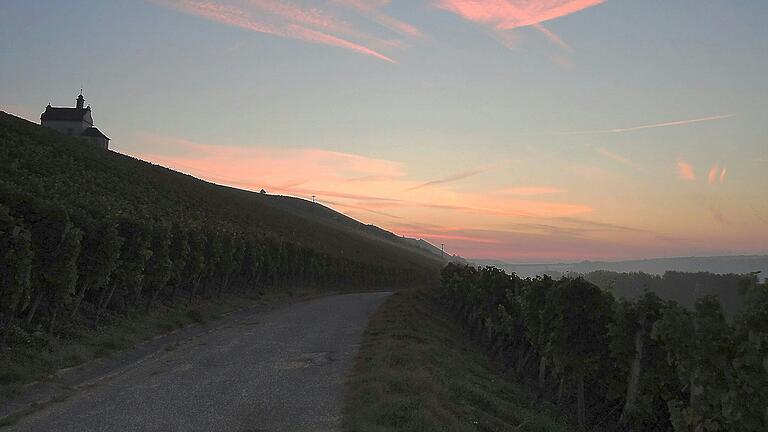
{"x": 638, "y": 365}
{"x": 682, "y": 287}
{"x": 60, "y": 265}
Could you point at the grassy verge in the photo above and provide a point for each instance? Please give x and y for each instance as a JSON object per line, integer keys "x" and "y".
{"x": 417, "y": 371}
{"x": 37, "y": 356}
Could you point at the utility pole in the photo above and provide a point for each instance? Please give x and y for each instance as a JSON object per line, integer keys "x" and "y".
{"x": 442, "y": 248}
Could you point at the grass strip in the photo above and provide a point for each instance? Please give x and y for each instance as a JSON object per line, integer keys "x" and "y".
{"x": 417, "y": 371}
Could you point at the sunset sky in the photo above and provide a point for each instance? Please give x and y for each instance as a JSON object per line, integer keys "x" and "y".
{"x": 522, "y": 130}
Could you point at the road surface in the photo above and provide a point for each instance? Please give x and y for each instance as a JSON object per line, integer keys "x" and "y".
{"x": 281, "y": 370}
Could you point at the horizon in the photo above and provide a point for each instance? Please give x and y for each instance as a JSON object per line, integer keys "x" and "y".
{"x": 579, "y": 130}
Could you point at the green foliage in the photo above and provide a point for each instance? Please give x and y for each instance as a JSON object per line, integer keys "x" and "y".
{"x": 15, "y": 267}
{"x": 98, "y": 258}
{"x": 158, "y": 268}
{"x": 643, "y": 364}
{"x": 62, "y": 276}
{"x": 179, "y": 254}
{"x": 642, "y": 374}
{"x": 128, "y": 279}
{"x": 748, "y": 381}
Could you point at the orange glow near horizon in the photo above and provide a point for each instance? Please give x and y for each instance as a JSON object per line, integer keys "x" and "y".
{"x": 519, "y": 222}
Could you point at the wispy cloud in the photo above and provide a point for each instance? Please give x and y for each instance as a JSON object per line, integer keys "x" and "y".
{"x": 518, "y": 208}
{"x": 338, "y": 22}
{"x": 510, "y": 14}
{"x": 619, "y": 158}
{"x": 370, "y": 178}
{"x": 714, "y": 172}
{"x": 588, "y": 224}
{"x": 554, "y": 38}
{"x": 358, "y": 207}
{"x": 532, "y": 190}
{"x": 717, "y": 214}
{"x": 372, "y": 9}
{"x": 280, "y": 18}
{"x": 448, "y": 179}
{"x": 654, "y": 125}
{"x": 685, "y": 170}
{"x": 614, "y": 156}
{"x": 504, "y": 15}
{"x": 445, "y": 236}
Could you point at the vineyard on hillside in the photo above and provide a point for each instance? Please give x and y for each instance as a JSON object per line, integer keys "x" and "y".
{"x": 637, "y": 365}
{"x": 86, "y": 234}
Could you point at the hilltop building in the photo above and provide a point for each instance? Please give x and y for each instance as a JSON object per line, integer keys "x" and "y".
{"x": 75, "y": 121}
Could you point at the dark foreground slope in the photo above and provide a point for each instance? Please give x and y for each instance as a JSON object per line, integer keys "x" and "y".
{"x": 55, "y": 167}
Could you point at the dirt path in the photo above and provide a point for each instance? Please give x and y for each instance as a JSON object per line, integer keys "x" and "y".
{"x": 281, "y": 370}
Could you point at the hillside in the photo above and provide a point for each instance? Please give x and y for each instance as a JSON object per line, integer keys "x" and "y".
{"x": 99, "y": 250}
{"x": 54, "y": 167}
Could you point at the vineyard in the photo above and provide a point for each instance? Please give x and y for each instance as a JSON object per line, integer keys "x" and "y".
{"x": 641, "y": 364}
{"x": 87, "y": 234}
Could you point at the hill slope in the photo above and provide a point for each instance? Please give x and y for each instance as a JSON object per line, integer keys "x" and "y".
{"x": 55, "y": 167}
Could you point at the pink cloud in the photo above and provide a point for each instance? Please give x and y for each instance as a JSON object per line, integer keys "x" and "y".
{"x": 309, "y": 16}
{"x": 554, "y": 38}
{"x": 262, "y": 165}
{"x": 357, "y": 207}
{"x": 510, "y": 14}
{"x": 685, "y": 170}
{"x": 292, "y": 22}
{"x": 372, "y": 9}
{"x": 445, "y": 237}
{"x": 713, "y": 173}
{"x": 448, "y": 179}
{"x": 518, "y": 208}
{"x": 504, "y": 15}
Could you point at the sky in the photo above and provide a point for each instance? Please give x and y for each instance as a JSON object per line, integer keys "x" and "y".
{"x": 519, "y": 130}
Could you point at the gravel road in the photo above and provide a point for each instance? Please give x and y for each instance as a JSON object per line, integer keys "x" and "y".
{"x": 281, "y": 370}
